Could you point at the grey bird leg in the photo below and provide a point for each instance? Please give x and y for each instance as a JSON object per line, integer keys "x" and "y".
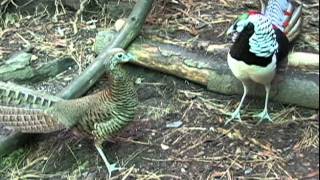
{"x": 110, "y": 167}
{"x": 236, "y": 113}
{"x": 264, "y": 114}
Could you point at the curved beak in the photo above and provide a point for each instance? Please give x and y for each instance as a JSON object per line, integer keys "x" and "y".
{"x": 230, "y": 30}
{"x": 130, "y": 57}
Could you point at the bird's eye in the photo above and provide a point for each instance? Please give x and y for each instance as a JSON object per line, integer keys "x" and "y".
{"x": 235, "y": 26}
{"x": 120, "y": 55}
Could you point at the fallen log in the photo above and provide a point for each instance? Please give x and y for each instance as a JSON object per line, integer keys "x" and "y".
{"x": 20, "y": 69}
{"x": 301, "y": 60}
{"x": 304, "y": 60}
{"x": 211, "y": 70}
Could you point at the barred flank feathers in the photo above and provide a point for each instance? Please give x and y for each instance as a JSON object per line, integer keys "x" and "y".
{"x": 108, "y": 111}
{"x": 28, "y": 120}
{"x": 124, "y": 100}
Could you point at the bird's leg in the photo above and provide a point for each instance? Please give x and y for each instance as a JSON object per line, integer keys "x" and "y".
{"x": 264, "y": 114}
{"x": 110, "y": 167}
{"x": 101, "y": 132}
{"x": 236, "y": 113}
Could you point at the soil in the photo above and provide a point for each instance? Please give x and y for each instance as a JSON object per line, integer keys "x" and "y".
{"x": 202, "y": 146}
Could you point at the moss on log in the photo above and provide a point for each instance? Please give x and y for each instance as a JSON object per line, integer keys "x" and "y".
{"x": 19, "y": 68}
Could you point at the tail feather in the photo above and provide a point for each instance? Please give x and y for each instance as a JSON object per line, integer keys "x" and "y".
{"x": 295, "y": 31}
{"x": 295, "y": 24}
{"x": 28, "y": 120}
{"x": 262, "y": 6}
{"x": 15, "y": 95}
{"x": 288, "y": 13}
{"x": 275, "y": 11}
{"x": 285, "y": 16}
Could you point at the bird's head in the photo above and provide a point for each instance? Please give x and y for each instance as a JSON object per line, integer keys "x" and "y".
{"x": 118, "y": 56}
{"x": 239, "y": 24}
{"x": 258, "y": 30}
{"x": 247, "y": 21}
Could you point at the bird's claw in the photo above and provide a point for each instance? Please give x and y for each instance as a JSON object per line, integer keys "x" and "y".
{"x": 264, "y": 116}
{"x": 234, "y": 116}
{"x": 110, "y": 167}
{"x": 113, "y": 167}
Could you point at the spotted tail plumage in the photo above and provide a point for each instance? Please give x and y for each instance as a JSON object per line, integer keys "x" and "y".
{"x": 15, "y": 95}
{"x": 28, "y": 120}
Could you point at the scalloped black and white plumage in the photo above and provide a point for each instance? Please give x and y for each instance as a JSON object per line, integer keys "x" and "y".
{"x": 259, "y": 46}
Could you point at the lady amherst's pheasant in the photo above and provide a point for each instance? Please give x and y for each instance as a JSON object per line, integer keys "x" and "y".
{"x": 260, "y": 43}
{"x": 98, "y": 116}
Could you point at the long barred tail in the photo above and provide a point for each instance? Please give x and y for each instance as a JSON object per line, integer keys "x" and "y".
{"x": 15, "y": 95}
{"x": 28, "y": 120}
{"x": 285, "y": 17}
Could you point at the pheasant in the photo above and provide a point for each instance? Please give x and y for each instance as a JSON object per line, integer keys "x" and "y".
{"x": 98, "y": 116}
{"x": 260, "y": 44}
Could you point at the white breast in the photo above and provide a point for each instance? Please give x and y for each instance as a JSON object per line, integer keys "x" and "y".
{"x": 258, "y": 74}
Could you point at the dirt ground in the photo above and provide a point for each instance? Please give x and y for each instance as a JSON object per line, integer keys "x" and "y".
{"x": 202, "y": 147}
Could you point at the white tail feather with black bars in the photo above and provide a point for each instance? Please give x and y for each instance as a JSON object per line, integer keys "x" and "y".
{"x": 285, "y": 16}
{"x": 277, "y": 12}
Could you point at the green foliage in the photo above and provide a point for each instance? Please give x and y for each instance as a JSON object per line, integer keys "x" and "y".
{"x": 12, "y": 161}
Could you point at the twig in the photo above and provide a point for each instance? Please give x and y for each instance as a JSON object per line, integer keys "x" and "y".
{"x": 198, "y": 143}
{"x": 83, "y": 3}
{"x": 232, "y": 163}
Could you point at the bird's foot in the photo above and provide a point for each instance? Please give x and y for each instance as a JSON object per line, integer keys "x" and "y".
{"x": 110, "y": 167}
{"x": 264, "y": 116}
{"x": 113, "y": 167}
{"x": 235, "y": 116}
